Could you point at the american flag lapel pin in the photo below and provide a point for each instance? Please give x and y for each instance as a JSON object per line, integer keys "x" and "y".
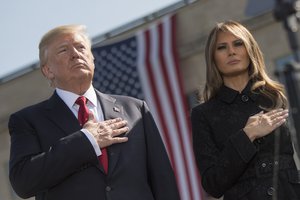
{"x": 116, "y": 109}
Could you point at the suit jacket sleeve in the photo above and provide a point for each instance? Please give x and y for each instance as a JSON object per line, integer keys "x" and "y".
{"x": 162, "y": 179}
{"x": 34, "y": 170}
{"x": 219, "y": 168}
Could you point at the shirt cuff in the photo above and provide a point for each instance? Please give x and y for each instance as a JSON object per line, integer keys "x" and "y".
{"x": 92, "y": 141}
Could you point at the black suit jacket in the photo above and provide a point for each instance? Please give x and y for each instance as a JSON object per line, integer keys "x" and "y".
{"x": 51, "y": 158}
{"x": 229, "y": 163}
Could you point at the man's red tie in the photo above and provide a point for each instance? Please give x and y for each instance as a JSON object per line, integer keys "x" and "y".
{"x": 83, "y": 116}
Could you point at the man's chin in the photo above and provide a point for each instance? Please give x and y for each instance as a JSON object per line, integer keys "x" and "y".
{"x": 81, "y": 69}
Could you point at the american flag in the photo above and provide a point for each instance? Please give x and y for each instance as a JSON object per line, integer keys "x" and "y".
{"x": 145, "y": 66}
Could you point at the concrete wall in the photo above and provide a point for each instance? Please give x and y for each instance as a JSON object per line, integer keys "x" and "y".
{"x": 25, "y": 90}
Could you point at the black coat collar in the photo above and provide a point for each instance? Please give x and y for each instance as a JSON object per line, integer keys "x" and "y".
{"x": 228, "y": 95}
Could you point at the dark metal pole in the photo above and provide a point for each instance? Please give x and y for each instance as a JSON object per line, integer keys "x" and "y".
{"x": 288, "y": 12}
{"x": 290, "y": 24}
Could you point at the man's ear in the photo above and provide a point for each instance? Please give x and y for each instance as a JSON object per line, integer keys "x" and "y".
{"x": 46, "y": 70}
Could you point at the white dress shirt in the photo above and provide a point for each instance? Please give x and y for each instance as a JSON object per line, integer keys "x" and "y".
{"x": 93, "y": 105}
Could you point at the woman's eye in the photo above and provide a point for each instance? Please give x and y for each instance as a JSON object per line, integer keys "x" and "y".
{"x": 239, "y": 43}
{"x": 221, "y": 47}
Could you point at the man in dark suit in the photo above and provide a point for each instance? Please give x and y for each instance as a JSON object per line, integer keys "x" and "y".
{"x": 57, "y": 156}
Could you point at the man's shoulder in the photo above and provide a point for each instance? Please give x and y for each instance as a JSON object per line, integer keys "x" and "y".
{"x": 128, "y": 101}
{"x": 126, "y": 98}
{"x": 120, "y": 98}
{"x": 207, "y": 106}
{"x": 33, "y": 107}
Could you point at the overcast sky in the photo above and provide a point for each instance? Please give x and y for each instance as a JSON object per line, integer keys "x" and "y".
{"x": 23, "y": 22}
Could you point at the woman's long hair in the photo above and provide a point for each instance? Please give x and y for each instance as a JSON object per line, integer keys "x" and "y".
{"x": 262, "y": 82}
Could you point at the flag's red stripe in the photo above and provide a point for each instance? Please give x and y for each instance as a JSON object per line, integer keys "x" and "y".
{"x": 155, "y": 93}
{"x": 176, "y": 68}
{"x": 173, "y": 109}
{"x": 197, "y": 188}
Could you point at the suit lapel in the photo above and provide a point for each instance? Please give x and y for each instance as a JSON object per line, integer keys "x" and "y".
{"x": 111, "y": 110}
{"x": 59, "y": 113}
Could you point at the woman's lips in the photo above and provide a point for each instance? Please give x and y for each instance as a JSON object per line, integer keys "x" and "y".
{"x": 232, "y": 62}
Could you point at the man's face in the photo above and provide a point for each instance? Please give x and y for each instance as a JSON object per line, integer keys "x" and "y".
{"x": 69, "y": 61}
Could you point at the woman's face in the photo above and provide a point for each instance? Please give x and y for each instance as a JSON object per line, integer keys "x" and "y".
{"x": 230, "y": 55}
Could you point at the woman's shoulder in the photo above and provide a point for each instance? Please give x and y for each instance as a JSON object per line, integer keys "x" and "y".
{"x": 207, "y": 106}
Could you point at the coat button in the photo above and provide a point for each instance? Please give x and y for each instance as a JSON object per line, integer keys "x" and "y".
{"x": 263, "y": 165}
{"x": 107, "y": 188}
{"x": 258, "y": 141}
{"x": 270, "y": 191}
{"x": 245, "y": 98}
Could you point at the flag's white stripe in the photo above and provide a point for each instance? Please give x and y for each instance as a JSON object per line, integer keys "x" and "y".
{"x": 145, "y": 82}
{"x": 179, "y": 104}
{"x": 176, "y": 96}
{"x": 184, "y": 130}
{"x": 167, "y": 112}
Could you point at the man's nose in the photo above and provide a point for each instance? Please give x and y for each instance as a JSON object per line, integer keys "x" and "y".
{"x": 74, "y": 53}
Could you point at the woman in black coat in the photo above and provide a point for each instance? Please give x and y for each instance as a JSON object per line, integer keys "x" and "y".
{"x": 241, "y": 140}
